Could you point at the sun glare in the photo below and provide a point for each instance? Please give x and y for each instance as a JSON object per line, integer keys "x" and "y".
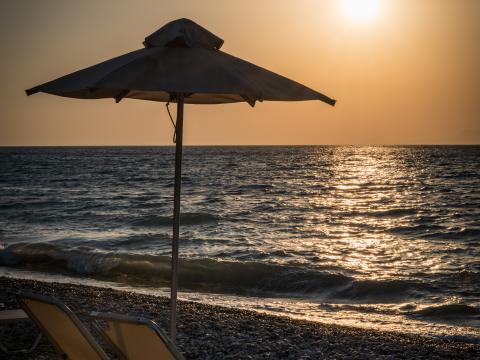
{"x": 361, "y": 10}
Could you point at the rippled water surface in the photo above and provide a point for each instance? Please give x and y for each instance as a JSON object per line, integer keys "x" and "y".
{"x": 387, "y": 231}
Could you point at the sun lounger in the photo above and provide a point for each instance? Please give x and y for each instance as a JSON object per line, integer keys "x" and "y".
{"x": 135, "y": 338}
{"x": 72, "y": 340}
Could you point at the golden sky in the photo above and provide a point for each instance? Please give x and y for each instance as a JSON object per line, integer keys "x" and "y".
{"x": 403, "y": 71}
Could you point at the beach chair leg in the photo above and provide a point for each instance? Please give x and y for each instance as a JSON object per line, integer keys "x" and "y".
{"x": 24, "y": 351}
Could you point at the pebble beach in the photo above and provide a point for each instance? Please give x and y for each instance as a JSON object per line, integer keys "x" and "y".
{"x": 214, "y": 332}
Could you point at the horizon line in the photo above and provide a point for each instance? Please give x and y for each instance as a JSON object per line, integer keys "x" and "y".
{"x": 238, "y": 145}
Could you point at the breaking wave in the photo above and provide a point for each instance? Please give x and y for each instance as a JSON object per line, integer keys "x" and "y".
{"x": 449, "y": 311}
{"x": 252, "y": 278}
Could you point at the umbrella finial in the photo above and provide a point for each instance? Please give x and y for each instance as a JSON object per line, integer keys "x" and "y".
{"x": 183, "y": 33}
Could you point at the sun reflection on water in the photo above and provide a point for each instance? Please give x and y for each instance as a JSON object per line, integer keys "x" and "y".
{"x": 369, "y": 190}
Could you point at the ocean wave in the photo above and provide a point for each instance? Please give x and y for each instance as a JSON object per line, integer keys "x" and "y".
{"x": 185, "y": 219}
{"x": 449, "y": 311}
{"x": 397, "y": 212}
{"x": 420, "y": 230}
{"x": 256, "y": 186}
{"x": 465, "y": 276}
{"x": 388, "y": 213}
{"x": 132, "y": 242}
{"x": 195, "y": 274}
{"x": 252, "y": 278}
{"x": 368, "y": 309}
{"x": 463, "y": 233}
{"x": 375, "y": 291}
{"x": 13, "y": 205}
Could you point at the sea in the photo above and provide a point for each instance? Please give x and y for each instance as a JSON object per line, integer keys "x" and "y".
{"x": 380, "y": 237}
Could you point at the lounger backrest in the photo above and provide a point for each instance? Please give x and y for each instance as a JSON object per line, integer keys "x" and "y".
{"x": 139, "y": 340}
{"x": 63, "y": 328}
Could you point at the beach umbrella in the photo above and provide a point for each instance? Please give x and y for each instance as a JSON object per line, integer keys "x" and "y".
{"x": 180, "y": 63}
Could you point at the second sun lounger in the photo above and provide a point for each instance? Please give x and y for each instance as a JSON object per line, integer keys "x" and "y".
{"x": 135, "y": 338}
{"x": 72, "y": 340}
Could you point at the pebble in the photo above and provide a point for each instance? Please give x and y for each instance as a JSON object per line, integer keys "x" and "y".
{"x": 213, "y": 332}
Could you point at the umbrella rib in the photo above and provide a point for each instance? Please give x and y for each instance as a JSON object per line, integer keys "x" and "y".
{"x": 95, "y": 84}
{"x": 121, "y": 95}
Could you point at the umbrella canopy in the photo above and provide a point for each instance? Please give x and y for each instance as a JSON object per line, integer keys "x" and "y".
{"x": 181, "y": 57}
{"x": 181, "y": 62}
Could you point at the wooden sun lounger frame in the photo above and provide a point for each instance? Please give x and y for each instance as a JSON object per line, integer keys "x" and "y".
{"x": 52, "y": 301}
{"x": 96, "y": 316}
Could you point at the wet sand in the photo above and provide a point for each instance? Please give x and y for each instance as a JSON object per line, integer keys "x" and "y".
{"x": 214, "y": 332}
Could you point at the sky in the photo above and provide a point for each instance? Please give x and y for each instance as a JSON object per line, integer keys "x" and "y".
{"x": 402, "y": 71}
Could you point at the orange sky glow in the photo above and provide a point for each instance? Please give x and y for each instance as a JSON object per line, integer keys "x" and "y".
{"x": 403, "y": 71}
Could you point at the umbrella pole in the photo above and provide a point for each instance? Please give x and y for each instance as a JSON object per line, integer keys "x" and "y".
{"x": 176, "y": 217}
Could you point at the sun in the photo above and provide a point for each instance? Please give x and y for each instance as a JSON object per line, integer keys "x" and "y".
{"x": 361, "y": 10}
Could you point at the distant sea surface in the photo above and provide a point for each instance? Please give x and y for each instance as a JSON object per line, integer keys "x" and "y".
{"x": 383, "y": 237}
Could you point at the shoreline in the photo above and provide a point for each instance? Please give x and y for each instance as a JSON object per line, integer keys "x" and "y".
{"x": 216, "y": 332}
